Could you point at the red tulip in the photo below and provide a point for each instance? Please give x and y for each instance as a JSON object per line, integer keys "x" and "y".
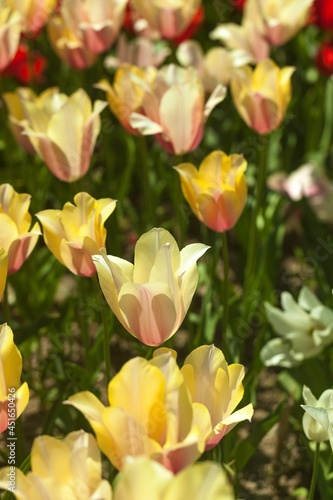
{"x": 324, "y": 58}
{"x": 27, "y": 67}
{"x": 239, "y": 4}
{"x": 324, "y": 14}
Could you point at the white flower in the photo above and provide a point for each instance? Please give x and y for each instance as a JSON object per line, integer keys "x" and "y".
{"x": 305, "y": 328}
{"x": 316, "y": 418}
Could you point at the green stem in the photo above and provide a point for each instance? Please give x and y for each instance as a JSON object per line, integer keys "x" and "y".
{"x": 106, "y": 337}
{"x": 149, "y": 220}
{"x": 326, "y": 138}
{"x": 253, "y": 236}
{"x": 225, "y": 255}
{"x": 314, "y": 472}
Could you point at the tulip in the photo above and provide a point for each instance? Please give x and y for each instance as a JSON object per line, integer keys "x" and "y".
{"x": 305, "y": 329}
{"x": 312, "y": 426}
{"x": 17, "y": 240}
{"x": 63, "y": 130}
{"x": 170, "y": 18}
{"x": 151, "y": 297}
{"x": 217, "y": 191}
{"x": 262, "y": 95}
{"x": 70, "y": 468}
{"x": 175, "y": 109}
{"x": 218, "y": 387}
{"x": 126, "y": 94}
{"x": 14, "y": 396}
{"x": 324, "y": 58}
{"x": 150, "y": 413}
{"x": 77, "y": 232}
{"x": 214, "y": 67}
{"x": 35, "y": 13}
{"x": 323, "y": 10}
{"x": 27, "y": 67}
{"x": 68, "y": 44}
{"x": 17, "y": 117}
{"x": 277, "y": 21}
{"x": 144, "y": 478}
{"x": 10, "y": 31}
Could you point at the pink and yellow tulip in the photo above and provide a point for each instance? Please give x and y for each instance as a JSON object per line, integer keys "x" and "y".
{"x": 218, "y": 386}
{"x": 14, "y": 396}
{"x": 126, "y": 95}
{"x": 17, "y": 240}
{"x": 35, "y": 13}
{"x": 169, "y": 18}
{"x": 77, "y": 232}
{"x": 217, "y": 191}
{"x": 262, "y": 95}
{"x": 150, "y": 413}
{"x": 175, "y": 110}
{"x": 151, "y": 297}
{"x": 70, "y": 468}
{"x": 10, "y": 31}
{"x": 62, "y": 129}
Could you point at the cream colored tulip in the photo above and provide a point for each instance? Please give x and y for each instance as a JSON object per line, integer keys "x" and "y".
{"x": 150, "y": 413}
{"x": 151, "y": 297}
{"x": 10, "y": 31}
{"x": 316, "y": 414}
{"x": 169, "y": 17}
{"x": 262, "y": 95}
{"x": 175, "y": 110}
{"x": 143, "y": 479}
{"x": 14, "y": 396}
{"x": 35, "y": 13}
{"x": 126, "y": 94}
{"x": 70, "y": 468}
{"x": 77, "y": 232}
{"x": 17, "y": 240}
{"x": 218, "y": 386}
{"x": 17, "y": 117}
{"x": 62, "y": 129}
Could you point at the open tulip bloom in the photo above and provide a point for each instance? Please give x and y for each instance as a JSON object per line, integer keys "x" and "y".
{"x": 318, "y": 417}
{"x": 159, "y": 411}
{"x": 151, "y": 297}
{"x": 305, "y": 329}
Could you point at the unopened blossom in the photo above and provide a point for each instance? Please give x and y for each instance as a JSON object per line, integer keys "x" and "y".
{"x": 175, "y": 110}
{"x": 10, "y": 31}
{"x": 170, "y": 17}
{"x": 77, "y": 232}
{"x": 218, "y": 386}
{"x": 68, "y": 468}
{"x": 261, "y": 95}
{"x": 126, "y": 94}
{"x": 214, "y": 67}
{"x": 145, "y": 478}
{"x": 35, "y": 13}
{"x": 217, "y": 191}
{"x": 62, "y": 129}
{"x": 14, "y": 396}
{"x": 312, "y": 423}
{"x": 17, "y": 237}
{"x": 151, "y": 297}
{"x": 305, "y": 329}
{"x": 150, "y": 413}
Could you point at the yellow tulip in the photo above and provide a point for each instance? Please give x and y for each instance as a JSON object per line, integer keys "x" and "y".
{"x": 17, "y": 240}
{"x": 62, "y": 129}
{"x": 143, "y": 479}
{"x": 34, "y": 13}
{"x": 14, "y": 397}
{"x": 218, "y": 387}
{"x": 151, "y": 297}
{"x": 10, "y": 31}
{"x": 70, "y": 468}
{"x": 77, "y": 232}
{"x": 17, "y": 117}
{"x": 262, "y": 95}
{"x": 150, "y": 413}
{"x": 126, "y": 94}
{"x": 217, "y": 191}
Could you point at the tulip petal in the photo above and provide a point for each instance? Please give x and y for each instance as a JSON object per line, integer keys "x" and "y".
{"x": 3, "y": 270}
{"x": 50, "y": 457}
